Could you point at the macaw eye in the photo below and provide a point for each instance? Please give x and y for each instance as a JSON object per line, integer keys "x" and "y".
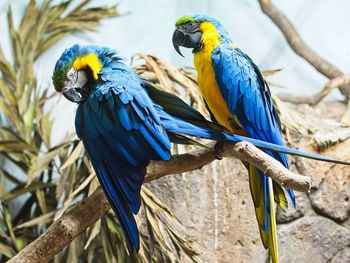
{"x": 70, "y": 74}
{"x": 189, "y": 27}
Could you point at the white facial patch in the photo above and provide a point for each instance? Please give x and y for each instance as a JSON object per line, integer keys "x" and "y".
{"x": 75, "y": 79}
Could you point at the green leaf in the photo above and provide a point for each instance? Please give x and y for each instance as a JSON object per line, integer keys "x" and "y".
{"x": 19, "y": 243}
{"x": 6, "y": 250}
{"x": 8, "y": 221}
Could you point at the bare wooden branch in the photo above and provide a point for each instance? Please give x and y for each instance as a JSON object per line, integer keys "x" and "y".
{"x": 299, "y": 46}
{"x": 64, "y": 230}
{"x": 315, "y": 99}
{"x": 249, "y": 153}
{"x": 243, "y": 150}
{"x": 75, "y": 221}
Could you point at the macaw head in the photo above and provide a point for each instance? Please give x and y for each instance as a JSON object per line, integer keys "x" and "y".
{"x": 193, "y": 31}
{"x": 78, "y": 69}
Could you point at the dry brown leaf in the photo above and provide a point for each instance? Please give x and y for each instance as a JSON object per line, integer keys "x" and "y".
{"x": 73, "y": 157}
{"x": 38, "y": 221}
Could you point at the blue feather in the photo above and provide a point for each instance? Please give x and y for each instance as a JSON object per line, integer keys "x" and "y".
{"x": 121, "y": 132}
{"x": 252, "y": 104}
{"x": 123, "y": 129}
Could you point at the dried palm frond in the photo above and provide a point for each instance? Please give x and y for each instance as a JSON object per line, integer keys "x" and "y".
{"x": 292, "y": 119}
{"x": 180, "y": 81}
{"x": 167, "y": 231}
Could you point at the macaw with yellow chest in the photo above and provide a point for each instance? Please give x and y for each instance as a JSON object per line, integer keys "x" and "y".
{"x": 125, "y": 122}
{"x": 239, "y": 99}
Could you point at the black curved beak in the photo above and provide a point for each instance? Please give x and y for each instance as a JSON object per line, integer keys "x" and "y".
{"x": 188, "y": 40}
{"x": 73, "y": 95}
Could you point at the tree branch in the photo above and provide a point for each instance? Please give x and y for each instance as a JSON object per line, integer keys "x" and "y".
{"x": 315, "y": 99}
{"x": 75, "y": 221}
{"x": 299, "y": 46}
{"x": 64, "y": 230}
{"x": 242, "y": 150}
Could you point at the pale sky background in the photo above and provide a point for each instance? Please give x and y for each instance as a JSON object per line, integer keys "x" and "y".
{"x": 148, "y": 28}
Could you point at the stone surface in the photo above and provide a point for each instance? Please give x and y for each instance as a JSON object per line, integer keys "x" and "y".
{"x": 313, "y": 239}
{"x": 330, "y": 193}
{"x": 291, "y": 213}
{"x": 332, "y": 197}
{"x": 215, "y": 205}
{"x": 342, "y": 256}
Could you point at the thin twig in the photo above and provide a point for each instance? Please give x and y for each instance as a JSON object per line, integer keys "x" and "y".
{"x": 299, "y": 46}
{"x": 315, "y": 99}
{"x": 75, "y": 221}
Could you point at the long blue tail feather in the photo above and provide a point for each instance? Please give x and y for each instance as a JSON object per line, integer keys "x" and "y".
{"x": 176, "y": 125}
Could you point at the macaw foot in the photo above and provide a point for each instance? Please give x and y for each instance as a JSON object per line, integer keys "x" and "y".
{"x": 218, "y": 150}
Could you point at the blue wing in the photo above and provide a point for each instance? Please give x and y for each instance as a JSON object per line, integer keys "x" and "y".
{"x": 248, "y": 98}
{"x": 121, "y": 132}
{"x": 247, "y": 95}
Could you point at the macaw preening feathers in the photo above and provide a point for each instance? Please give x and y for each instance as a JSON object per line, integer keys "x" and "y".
{"x": 124, "y": 122}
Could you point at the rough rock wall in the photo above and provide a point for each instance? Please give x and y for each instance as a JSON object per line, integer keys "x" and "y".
{"x": 215, "y": 205}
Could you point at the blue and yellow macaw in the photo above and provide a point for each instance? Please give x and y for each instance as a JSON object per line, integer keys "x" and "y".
{"x": 124, "y": 122}
{"x": 239, "y": 99}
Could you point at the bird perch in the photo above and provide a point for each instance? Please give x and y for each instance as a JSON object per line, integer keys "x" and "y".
{"x": 300, "y": 47}
{"x": 316, "y": 98}
{"x": 87, "y": 212}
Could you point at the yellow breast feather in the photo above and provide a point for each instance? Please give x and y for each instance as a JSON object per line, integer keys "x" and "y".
{"x": 207, "y": 82}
